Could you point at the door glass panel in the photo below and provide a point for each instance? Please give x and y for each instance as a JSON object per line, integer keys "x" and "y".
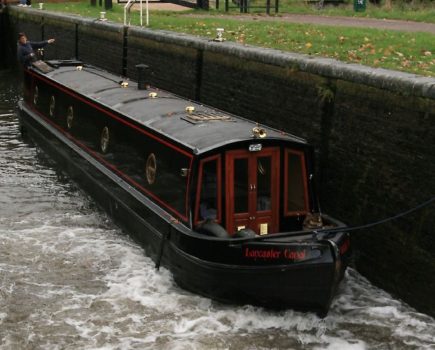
{"x": 208, "y": 201}
{"x": 295, "y": 183}
{"x": 264, "y": 183}
{"x": 241, "y": 185}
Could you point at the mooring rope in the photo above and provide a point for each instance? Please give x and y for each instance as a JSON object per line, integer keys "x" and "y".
{"x": 338, "y": 229}
{"x": 380, "y": 222}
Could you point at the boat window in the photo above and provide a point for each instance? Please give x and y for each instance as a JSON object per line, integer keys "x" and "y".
{"x": 36, "y": 96}
{"x": 264, "y": 184}
{"x": 70, "y": 117}
{"x": 241, "y": 185}
{"x": 208, "y": 202}
{"x": 151, "y": 168}
{"x": 52, "y": 106}
{"x": 296, "y": 197}
{"x": 105, "y": 139}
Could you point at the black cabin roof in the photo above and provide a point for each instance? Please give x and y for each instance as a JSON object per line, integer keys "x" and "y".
{"x": 204, "y": 129}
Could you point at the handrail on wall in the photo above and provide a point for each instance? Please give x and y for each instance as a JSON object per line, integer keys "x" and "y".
{"x": 127, "y": 8}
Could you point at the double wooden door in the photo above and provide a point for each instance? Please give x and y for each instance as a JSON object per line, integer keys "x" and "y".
{"x": 252, "y": 190}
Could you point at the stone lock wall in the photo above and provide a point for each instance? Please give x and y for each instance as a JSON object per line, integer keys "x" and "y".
{"x": 373, "y": 130}
{"x": 381, "y": 162}
{"x": 166, "y": 59}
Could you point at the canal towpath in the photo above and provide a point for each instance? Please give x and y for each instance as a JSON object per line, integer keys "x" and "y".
{"x": 341, "y": 21}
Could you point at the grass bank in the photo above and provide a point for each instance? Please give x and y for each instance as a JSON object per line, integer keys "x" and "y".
{"x": 408, "y": 52}
{"x": 419, "y": 11}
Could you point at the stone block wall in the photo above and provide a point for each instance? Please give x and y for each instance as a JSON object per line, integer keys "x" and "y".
{"x": 64, "y": 30}
{"x": 172, "y": 67}
{"x": 101, "y": 44}
{"x": 269, "y": 94}
{"x": 381, "y": 157}
{"x": 373, "y": 130}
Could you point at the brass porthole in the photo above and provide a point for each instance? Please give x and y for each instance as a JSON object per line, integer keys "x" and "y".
{"x": 52, "y": 106}
{"x": 105, "y": 139}
{"x": 151, "y": 168}
{"x": 69, "y": 117}
{"x": 35, "y": 96}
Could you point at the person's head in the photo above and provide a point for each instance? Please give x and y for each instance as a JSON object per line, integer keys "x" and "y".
{"x": 22, "y": 38}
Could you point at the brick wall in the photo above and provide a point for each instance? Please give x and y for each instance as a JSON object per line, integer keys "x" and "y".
{"x": 373, "y": 129}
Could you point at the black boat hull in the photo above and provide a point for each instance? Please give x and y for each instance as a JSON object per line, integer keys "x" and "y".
{"x": 217, "y": 269}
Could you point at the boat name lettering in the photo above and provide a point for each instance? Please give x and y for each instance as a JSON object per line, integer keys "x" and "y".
{"x": 272, "y": 253}
{"x": 294, "y": 254}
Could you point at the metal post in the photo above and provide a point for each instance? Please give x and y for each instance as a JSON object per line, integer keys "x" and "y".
{"x": 147, "y": 14}
{"x": 141, "y": 14}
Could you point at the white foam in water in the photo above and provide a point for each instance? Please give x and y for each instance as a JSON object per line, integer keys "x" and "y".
{"x": 69, "y": 279}
{"x": 105, "y": 294}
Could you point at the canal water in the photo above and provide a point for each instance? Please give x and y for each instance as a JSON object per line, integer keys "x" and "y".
{"x": 71, "y": 279}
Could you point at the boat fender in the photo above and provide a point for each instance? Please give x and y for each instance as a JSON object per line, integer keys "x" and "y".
{"x": 211, "y": 228}
{"x": 245, "y": 233}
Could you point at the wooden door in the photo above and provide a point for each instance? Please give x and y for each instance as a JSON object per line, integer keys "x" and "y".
{"x": 252, "y": 185}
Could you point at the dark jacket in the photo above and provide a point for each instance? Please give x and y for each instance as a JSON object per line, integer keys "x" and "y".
{"x": 25, "y": 53}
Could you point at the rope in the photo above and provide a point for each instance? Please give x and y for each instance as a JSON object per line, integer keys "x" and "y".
{"x": 383, "y": 221}
{"x": 338, "y": 229}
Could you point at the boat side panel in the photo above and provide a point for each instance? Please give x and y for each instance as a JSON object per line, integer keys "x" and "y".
{"x": 136, "y": 217}
{"x": 128, "y": 149}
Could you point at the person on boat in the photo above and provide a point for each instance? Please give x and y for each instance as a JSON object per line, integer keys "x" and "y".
{"x": 25, "y": 53}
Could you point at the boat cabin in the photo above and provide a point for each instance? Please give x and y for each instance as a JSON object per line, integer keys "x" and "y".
{"x": 198, "y": 163}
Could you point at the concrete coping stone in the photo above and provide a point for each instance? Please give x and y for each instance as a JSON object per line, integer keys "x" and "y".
{"x": 400, "y": 82}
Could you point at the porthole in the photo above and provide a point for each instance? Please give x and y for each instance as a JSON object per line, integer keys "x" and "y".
{"x": 70, "y": 117}
{"x": 52, "y": 106}
{"x": 35, "y": 96}
{"x": 151, "y": 168}
{"x": 105, "y": 139}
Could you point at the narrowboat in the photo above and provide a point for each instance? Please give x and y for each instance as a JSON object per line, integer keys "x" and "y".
{"x": 227, "y": 205}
